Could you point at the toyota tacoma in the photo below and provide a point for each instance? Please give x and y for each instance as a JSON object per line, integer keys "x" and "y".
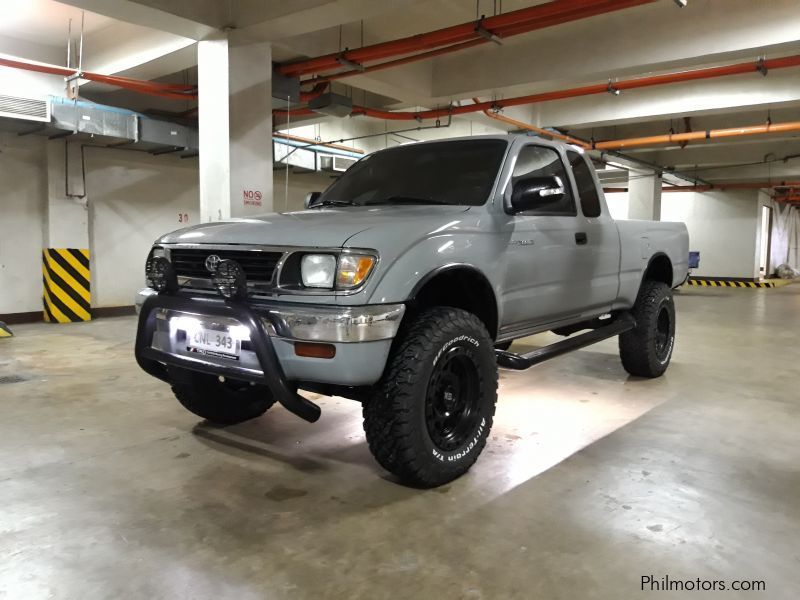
{"x": 402, "y": 286}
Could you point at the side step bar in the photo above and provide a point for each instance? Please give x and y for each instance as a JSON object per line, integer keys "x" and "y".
{"x": 619, "y": 324}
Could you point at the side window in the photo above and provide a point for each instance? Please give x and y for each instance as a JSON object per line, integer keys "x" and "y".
{"x": 587, "y": 190}
{"x": 542, "y": 161}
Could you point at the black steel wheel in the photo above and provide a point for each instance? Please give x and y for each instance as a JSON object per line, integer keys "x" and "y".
{"x": 429, "y": 417}
{"x": 664, "y": 334}
{"x": 452, "y": 406}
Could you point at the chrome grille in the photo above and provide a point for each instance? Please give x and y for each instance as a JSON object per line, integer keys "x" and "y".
{"x": 258, "y": 266}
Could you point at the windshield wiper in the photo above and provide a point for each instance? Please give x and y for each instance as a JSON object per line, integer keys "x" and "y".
{"x": 334, "y": 203}
{"x": 406, "y": 200}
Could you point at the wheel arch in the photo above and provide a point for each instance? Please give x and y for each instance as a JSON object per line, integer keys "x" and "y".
{"x": 659, "y": 268}
{"x": 459, "y": 286}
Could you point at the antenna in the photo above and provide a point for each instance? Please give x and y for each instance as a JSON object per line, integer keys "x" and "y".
{"x": 288, "y": 130}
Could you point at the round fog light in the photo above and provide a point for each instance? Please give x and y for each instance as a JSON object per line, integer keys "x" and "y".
{"x": 160, "y": 274}
{"x": 230, "y": 280}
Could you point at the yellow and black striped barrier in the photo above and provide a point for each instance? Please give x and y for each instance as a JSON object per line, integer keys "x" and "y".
{"x": 67, "y": 293}
{"x": 5, "y": 331}
{"x": 737, "y": 283}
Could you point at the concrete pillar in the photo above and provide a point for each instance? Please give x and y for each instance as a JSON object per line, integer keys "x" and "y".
{"x": 235, "y": 127}
{"x": 644, "y": 195}
{"x": 66, "y": 260}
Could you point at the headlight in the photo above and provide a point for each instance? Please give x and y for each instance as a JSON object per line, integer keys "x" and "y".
{"x": 318, "y": 270}
{"x": 353, "y": 270}
{"x": 326, "y": 271}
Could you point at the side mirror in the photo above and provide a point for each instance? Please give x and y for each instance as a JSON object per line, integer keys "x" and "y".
{"x": 536, "y": 192}
{"x": 311, "y": 197}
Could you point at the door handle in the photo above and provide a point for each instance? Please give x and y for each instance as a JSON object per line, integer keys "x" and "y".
{"x": 581, "y": 238}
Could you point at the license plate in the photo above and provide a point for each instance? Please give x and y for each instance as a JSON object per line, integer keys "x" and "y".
{"x": 209, "y": 342}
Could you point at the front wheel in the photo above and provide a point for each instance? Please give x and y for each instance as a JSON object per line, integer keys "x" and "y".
{"x": 224, "y": 402}
{"x": 646, "y": 350}
{"x": 429, "y": 417}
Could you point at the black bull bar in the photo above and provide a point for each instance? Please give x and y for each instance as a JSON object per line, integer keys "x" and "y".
{"x": 155, "y": 362}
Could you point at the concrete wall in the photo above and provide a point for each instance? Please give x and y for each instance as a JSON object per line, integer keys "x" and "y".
{"x": 23, "y": 196}
{"x": 134, "y": 198}
{"x": 723, "y": 226}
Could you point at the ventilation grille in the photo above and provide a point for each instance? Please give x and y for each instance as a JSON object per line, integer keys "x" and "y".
{"x": 29, "y": 109}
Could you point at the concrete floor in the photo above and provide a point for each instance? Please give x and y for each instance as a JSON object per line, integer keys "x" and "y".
{"x": 591, "y": 479}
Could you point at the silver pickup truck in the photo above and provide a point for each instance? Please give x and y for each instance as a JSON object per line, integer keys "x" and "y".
{"x": 402, "y": 286}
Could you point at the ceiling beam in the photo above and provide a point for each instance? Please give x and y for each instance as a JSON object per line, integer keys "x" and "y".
{"x": 146, "y": 16}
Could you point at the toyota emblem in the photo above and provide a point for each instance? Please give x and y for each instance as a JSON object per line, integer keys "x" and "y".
{"x": 212, "y": 262}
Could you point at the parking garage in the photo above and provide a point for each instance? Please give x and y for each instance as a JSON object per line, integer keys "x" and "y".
{"x": 261, "y": 263}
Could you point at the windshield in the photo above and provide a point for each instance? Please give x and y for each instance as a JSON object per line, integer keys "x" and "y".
{"x": 453, "y": 172}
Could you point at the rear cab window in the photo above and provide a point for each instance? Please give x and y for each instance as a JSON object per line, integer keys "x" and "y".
{"x": 587, "y": 189}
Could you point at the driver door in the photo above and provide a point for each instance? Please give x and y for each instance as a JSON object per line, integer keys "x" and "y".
{"x": 543, "y": 281}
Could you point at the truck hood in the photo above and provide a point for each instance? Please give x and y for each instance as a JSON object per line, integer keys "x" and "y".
{"x": 321, "y": 227}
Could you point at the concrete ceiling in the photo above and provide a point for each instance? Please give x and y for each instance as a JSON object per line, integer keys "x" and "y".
{"x": 653, "y": 38}
{"x": 46, "y": 22}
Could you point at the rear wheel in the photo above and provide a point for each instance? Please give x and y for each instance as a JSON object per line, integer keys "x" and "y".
{"x": 646, "y": 350}
{"x": 224, "y": 402}
{"x": 428, "y": 418}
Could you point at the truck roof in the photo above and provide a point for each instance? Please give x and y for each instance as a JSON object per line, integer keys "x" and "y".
{"x": 509, "y": 137}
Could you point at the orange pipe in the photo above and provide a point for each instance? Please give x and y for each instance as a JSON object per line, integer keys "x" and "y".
{"x": 529, "y": 127}
{"x": 452, "y": 35}
{"x": 403, "y": 61}
{"x": 602, "y": 88}
{"x": 651, "y": 140}
{"x": 670, "y": 138}
{"x": 524, "y": 27}
{"x": 293, "y": 112}
{"x": 164, "y": 90}
{"x": 756, "y": 129}
{"x": 317, "y": 90}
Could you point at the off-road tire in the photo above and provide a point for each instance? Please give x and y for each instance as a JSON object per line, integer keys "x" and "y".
{"x": 646, "y": 350}
{"x": 223, "y": 403}
{"x": 442, "y": 349}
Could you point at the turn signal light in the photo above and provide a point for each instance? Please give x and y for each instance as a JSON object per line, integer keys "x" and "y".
{"x": 314, "y": 350}
{"x": 353, "y": 270}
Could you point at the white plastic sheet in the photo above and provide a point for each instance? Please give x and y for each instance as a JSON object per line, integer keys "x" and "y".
{"x": 785, "y": 247}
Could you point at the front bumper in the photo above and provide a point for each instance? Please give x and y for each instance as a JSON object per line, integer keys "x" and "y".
{"x": 362, "y": 337}
{"x": 320, "y": 323}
